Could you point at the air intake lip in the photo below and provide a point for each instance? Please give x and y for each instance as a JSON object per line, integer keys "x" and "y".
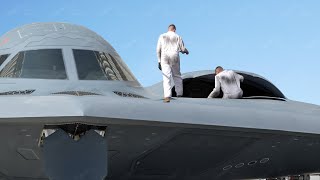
{"x": 130, "y": 95}
{"x": 76, "y": 93}
{"x": 265, "y": 97}
{"x": 22, "y": 92}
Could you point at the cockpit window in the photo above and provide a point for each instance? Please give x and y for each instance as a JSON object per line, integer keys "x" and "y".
{"x": 3, "y": 58}
{"x": 38, "y": 64}
{"x": 94, "y": 65}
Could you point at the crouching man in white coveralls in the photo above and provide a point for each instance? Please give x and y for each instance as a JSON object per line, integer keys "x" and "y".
{"x": 168, "y": 48}
{"x": 229, "y": 82}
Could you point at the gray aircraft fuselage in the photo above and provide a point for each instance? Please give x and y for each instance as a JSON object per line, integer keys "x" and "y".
{"x": 67, "y": 80}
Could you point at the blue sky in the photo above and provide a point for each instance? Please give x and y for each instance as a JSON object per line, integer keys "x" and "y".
{"x": 279, "y": 40}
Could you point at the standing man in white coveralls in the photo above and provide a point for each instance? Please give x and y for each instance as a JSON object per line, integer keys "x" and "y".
{"x": 229, "y": 82}
{"x": 168, "y": 48}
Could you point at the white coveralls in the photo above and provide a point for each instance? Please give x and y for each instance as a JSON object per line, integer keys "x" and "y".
{"x": 168, "y": 48}
{"x": 229, "y": 82}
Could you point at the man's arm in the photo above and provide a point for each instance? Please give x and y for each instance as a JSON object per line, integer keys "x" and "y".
{"x": 181, "y": 47}
{"x": 241, "y": 78}
{"x": 159, "y": 49}
{"x": 216, "y": 91}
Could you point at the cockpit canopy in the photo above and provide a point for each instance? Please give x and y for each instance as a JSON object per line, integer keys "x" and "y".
{"x": 49, "y": 64}
{"x": 60, "y": 51}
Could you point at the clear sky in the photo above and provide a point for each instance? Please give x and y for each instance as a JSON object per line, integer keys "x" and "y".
{"x": 278, "y": 39}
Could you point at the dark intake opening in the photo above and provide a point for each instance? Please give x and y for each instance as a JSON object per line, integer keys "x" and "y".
{"x": 200, "y": 87}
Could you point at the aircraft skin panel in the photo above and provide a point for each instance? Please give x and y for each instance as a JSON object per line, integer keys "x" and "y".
{"x": 151, "y": 152}
{"x": 211, "y": 113}
{"x": 15, "y": 140}
{"x": 147, "y": 131}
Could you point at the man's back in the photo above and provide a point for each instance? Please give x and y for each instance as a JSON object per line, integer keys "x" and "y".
{"x": 170, "y": 42}
{"x": 229, "y": 82}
